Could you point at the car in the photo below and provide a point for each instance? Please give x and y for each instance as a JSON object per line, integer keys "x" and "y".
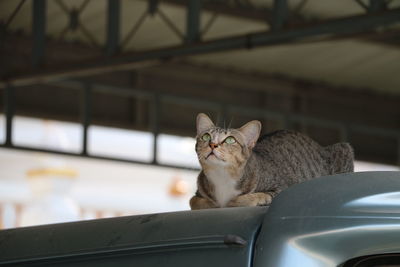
{"x": 350, "y": 219}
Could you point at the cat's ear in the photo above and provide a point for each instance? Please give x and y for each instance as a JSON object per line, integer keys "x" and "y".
{"x": 251, "y": 132}
{"x": 203, "y": 123}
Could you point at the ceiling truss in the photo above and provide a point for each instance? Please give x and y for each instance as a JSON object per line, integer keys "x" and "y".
{"x": 286, "y": 26}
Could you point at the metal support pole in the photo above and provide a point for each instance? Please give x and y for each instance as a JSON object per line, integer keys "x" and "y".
{"x": 86, "y": 108}
{"x": 113, "y": 29}
{"x": 193, "y": 21}
{"x": 280, "y": 14}
{"x": 9, "y": 109}
{"x": 376, "y": 5}
{"x": 155, "y": 123}
{"x": 39, "y": 32}
{"x": 152, "y": 7}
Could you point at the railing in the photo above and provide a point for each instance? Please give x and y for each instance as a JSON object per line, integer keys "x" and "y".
{"x": 284, "y": 119}
{"x": 11, "y": 214}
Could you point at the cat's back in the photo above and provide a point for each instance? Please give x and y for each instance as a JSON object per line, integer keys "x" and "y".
{"x": 286, "y": 140}
{"x": 291, "y": 150}
{"x": 298, "y": 151}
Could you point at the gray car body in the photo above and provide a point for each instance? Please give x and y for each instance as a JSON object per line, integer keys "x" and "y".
{"x": 323, "y": 222}
{"x": 330, "y": 220}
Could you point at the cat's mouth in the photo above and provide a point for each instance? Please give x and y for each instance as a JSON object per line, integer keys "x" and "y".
{"x": 213, "y": 155}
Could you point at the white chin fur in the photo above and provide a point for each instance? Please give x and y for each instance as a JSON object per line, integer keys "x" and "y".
{"x": 224, "y": 185}
{"x": 215, "y": 160}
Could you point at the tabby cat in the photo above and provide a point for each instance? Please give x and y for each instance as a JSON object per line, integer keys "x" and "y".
{"x": 241, "y": 169}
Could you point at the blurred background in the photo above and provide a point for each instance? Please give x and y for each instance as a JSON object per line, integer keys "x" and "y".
{"x": 98, "y": 99}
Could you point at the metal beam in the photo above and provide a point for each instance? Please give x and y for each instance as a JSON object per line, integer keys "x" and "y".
{"x": 164, "y": 97}
{"x": 193, "y": 21}
{"x": 113, "y": 29}
{"x": 219, "y": 7}
{"x": 80, "y": 70}
{"x": 86, "y": 118}
{"x": 15, "y": 12}
{"x": 9, "y": 109}
{"x": 170, "y": 23}
{"x": 64, "y": 153}
{"x": 152, "y": 7}
{"x": 39, "y": 32}
{"x": 280, "y": 14}
{"x": 155, "y": 112}
{"x": 346, "y": 129}
{"x": 377, "y": 5}
{"x": 295, "y": 18}
{"x": 332, "y": 29}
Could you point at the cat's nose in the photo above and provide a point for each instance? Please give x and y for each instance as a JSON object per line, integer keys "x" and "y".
{"x": 213, "y": 145}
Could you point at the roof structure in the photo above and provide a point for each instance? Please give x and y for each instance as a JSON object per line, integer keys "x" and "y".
{"x": 346, "y": 48}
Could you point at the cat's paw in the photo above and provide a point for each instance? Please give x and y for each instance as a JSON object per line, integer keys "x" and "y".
{"x": 198, "y": 203}
{"x": 251, "y": 200}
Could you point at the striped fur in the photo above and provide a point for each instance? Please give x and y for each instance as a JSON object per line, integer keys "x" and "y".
{"x": 277, "y": 161}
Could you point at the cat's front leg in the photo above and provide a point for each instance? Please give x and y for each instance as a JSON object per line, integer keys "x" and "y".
{"x": 251, "y": 200}
{"x": 198, "y": 203}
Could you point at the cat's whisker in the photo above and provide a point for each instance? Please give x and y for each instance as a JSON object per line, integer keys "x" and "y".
{"x": 230, "y": 123}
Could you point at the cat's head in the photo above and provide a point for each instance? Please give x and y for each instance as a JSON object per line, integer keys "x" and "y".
{"x": 224, "y": 147}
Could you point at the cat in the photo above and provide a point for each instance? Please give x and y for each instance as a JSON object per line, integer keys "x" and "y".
{"x": 241, "y": 169}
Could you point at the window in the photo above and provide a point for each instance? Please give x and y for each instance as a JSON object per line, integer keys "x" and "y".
{"x": 47, "y": 134}
{"x": 120, "y": 143}
{"x": 177, "y": 150}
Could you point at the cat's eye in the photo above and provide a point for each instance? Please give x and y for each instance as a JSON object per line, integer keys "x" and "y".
{"x": 230, "y": 140}
{"x": 206, "y": 137}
